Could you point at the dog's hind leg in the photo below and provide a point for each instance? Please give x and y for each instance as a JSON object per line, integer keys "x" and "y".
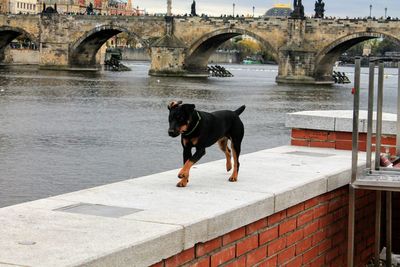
{"x": 223, "y": 145}
{"x": 236, "y": 152}
{"x": 236, "y": 141}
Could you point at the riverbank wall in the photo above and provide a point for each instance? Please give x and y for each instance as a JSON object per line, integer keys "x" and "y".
{"x": 142, "y": 54}
{"x": 22, "y": 56}
{"x": 31, "y": 57}
{"x": 288, "y": 208}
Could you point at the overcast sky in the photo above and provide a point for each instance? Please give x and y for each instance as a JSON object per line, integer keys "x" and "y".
{"x": 338, "y": 8}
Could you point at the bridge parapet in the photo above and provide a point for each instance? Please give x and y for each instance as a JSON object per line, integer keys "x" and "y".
{"x": 306, "y": 50}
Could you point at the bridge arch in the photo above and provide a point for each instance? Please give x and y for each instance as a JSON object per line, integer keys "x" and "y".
{"x": 201, "y": 50}
{"x": 327, "y": 57}
{"x": 7, "y": 34}
{"x": 83, "y": 51}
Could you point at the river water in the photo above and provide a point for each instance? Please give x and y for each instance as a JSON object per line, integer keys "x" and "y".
{"x": 65, "y": 131}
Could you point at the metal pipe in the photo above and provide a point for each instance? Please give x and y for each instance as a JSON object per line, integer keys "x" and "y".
{"x": 370, "y": 113}
{"x": 356, "y": 113}
{"x": 398, "y": 114}
{"x": 354, "y": 159}
{"x": 378, "y": 212}
{"x": 388, "y": 228}
{"x": 379, "y": 116}
{"x": 350, "y": 244}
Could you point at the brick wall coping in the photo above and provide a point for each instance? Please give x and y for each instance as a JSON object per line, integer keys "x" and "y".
{"x": 167, "y": 219}
{"x": 337, "y": 121}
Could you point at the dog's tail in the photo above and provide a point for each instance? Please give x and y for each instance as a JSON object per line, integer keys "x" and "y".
{"x": 240, "y": 110}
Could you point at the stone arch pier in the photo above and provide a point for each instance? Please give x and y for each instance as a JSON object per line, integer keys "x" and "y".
{"x": 327, "y": 57}
{"x": 202, "y": 49}
{"x": 7, "y": 34}
{"x": 83, "y": 52}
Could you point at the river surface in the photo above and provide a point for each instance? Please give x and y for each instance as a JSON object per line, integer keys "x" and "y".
{"x": 66, "y": 131}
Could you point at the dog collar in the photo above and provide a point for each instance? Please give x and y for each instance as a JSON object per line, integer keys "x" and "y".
{"x": 194, "y": 128}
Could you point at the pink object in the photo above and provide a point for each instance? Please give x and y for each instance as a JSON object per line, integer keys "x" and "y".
{"x": 385, "y": 162}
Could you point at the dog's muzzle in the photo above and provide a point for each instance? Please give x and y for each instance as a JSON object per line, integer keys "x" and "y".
{"x": 172, "y": 133}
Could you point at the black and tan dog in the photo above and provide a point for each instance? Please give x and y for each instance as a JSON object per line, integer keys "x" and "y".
{"x": 201, "y": 129}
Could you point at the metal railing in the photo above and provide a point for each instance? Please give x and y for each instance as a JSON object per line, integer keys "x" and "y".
{"x": 377, "y": 178}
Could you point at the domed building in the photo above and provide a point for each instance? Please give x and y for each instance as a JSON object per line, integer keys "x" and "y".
{"x": 279, "y": 10}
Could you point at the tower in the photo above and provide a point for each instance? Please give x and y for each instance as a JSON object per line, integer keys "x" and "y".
{"x": 169, "y": 7}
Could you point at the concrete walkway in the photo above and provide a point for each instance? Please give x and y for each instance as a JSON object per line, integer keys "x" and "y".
{"x": 140, "y": 221}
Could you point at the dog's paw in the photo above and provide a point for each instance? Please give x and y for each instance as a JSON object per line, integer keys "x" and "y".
{"x": 233, "y": 179}
{"x": 228, "y": 166}
{"x": 183, "y": 182}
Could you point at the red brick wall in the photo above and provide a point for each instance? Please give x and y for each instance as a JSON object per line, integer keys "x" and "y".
{"x": 343, "y": 140}
{"x": 338, "y": 140}
{"x": 312, "y": 233}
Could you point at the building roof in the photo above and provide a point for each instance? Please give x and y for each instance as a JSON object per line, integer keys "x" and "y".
{"x": 279, "y": 10}
{"x": 111, "y": 2}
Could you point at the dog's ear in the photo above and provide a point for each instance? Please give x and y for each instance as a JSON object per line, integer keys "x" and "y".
{"x": 174, "y": 104}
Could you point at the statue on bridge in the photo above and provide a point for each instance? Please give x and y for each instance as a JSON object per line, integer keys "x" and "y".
{"x": 298, "y": 10}
{"x": 89, "y": 9}
{"x": 49, "y": 10}
{"x": 193, "y": 9}
{"x": 319, "y": 9}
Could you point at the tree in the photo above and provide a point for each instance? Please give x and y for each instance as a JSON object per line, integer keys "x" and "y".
{"x": 386, "y": 45}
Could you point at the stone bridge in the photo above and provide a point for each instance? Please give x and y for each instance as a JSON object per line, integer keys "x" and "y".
{"x": 305, "y": 50}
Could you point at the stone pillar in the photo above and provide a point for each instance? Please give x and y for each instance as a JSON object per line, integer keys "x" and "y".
{"x": 168, "y": 54}
{"x": 53, "y": 46}
{"x": 53, "y": 56}
{"x": 295, "y": 66}
{"x": 297, "y": 58}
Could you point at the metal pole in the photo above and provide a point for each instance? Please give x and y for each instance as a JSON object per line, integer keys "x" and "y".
{"x": 350, "y": 255}
{"x": 398, "y": 113}
{"x": 379, "y": 116}
{"x": 388, "y": 228}
{"x": 370, "y": 113}
{"x": 378, "y": 212}
{"x": 370, "y": 11}
{"x": 356, "y": 112}
{"x": 350, "y": 245}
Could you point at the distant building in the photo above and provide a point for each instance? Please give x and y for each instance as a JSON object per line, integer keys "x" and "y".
{"x": 104, "y": 7}
{"x": 18, "y": 6}
{"x": 367, "y": 50}
{"x": 279, "y": 10}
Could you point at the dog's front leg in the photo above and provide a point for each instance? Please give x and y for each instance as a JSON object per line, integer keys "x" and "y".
{"x": 184, "y": 173}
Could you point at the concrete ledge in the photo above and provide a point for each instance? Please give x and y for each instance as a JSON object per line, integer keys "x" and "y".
{"x": 337, "y": 121}
{"x": 161, "y": 220}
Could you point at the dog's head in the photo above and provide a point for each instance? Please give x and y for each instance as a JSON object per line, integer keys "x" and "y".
{"x": 179, "y": 117}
